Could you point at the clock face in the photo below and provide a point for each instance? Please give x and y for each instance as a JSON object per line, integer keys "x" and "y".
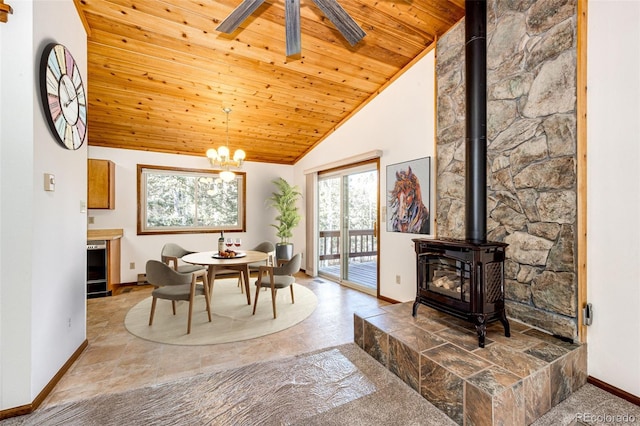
{"x": 63, "y": 97}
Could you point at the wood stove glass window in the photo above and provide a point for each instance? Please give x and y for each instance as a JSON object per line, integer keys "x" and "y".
{"x": 446, "y": 276}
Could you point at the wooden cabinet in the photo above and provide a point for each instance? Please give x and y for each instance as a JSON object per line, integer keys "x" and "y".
{"x": 113, "y": 263}
{"x": 101, "y": 188}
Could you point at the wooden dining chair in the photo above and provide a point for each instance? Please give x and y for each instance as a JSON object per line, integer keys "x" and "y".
{"x": 174, "y": 286}
{"x": 276, "y": 278}
{"x": 172, "y": 253}
{"x": 265, "y": 247}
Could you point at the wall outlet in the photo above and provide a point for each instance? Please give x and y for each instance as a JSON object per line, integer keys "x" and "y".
{"x": 69, "y": 322}
{"x": 132, "y": 265}
{"x": 398, "y": 279}
{"x": 91, "y": 220}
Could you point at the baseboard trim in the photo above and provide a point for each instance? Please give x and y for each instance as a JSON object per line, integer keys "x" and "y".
{"x": 614, "y": 390}
{"x": 30, "y": 408}
{"x": 386, "y": 299}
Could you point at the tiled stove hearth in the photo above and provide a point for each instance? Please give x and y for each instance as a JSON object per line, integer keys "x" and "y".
{"x": 511, "y": 381}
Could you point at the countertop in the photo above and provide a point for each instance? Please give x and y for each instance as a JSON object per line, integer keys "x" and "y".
{"x": 104, "y": 234}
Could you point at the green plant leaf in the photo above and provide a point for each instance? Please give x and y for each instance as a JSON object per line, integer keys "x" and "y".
{"x": 284, "y": 200}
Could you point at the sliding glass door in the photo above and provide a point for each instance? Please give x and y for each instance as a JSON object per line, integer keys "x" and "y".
{"x": 347, "y": 226}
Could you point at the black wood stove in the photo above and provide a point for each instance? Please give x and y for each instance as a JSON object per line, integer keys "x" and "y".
{"x": 465, "y": 278}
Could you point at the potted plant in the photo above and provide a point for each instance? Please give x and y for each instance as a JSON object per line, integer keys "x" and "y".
{"x": 284, "y": 201}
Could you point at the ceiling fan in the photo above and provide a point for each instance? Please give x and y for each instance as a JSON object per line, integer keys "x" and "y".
{"x": 349, "y": 29}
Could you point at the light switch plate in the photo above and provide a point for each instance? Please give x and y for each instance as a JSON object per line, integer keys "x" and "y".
{"x": 49, "y": 182}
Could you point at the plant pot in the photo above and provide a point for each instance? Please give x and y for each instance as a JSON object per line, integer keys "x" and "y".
{"x": 284, "y": 251}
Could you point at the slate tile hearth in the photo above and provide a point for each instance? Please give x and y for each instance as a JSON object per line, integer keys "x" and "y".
{"x": 512, "y": 380}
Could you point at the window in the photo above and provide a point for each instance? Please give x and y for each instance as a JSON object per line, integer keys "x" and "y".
{"x": 174, "y": 200}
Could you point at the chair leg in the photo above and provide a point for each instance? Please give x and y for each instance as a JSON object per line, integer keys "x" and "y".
{"x": 193, "y": 289}
{"x": 274, "y": 292}
{"x": 240, "y": 283}
{"x": 292, "y": 299}
{"x": 255, "y": 299}
{"x": 205, "y": 283}
{"x": 153, "y": 310}
{"x": 173, "y": 305}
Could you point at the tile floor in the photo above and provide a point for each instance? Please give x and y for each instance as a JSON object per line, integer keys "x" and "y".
{"x": 116, "y": 361}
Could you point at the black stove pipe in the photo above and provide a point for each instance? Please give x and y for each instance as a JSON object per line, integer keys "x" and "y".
{"x": 476, "y": 121}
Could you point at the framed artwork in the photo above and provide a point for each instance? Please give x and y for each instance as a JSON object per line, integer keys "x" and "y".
{"x": 408, "y": 195}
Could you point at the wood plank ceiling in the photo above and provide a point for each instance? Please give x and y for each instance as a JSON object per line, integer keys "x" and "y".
{"x": 159, "y": 74}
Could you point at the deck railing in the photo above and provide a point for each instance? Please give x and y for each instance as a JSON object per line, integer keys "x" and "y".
{"x": 362, "y": 246}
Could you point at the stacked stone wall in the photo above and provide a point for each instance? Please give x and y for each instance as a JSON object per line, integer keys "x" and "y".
{"x": 531, "y": 150}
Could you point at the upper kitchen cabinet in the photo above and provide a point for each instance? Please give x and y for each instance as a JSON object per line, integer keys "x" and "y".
{"x": 102, "y": 184}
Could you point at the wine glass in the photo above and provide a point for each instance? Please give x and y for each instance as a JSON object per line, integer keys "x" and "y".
{"x": 229, "y": 242}
{"x": 238, "y": 242}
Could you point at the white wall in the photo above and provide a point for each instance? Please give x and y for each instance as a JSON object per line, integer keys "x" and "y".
{"x": 613, "y": 264}
{"x": 140, "y": 248}
{"x": 400, "y": 121}
{"x": 43, "y": 255}
{"x": 16, "y": 205}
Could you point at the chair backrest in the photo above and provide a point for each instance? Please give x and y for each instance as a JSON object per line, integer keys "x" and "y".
{"x": 269, "y": 248}
{"x": 160, "y": 274}
{"x": 289, "y": 268}
{"x": 265, "y": 247}
{"x": 174, "y": 250}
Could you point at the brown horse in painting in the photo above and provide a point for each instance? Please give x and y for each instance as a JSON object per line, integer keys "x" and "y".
{"x": 408, "y": 212}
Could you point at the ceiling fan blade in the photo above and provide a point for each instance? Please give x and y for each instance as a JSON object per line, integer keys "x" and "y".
{"x": 342, "y": 20}
{"x": 239, "y": 14}
{"x": 292, "y": 26}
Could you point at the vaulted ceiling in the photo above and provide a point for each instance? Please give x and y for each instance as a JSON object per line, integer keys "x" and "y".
{"x": 159, "y": 74}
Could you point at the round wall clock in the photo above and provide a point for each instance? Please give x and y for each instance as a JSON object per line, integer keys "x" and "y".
{"x": 63, "y": 96}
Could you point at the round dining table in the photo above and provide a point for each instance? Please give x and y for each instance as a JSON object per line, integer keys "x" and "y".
{"x": 216, "y": 264}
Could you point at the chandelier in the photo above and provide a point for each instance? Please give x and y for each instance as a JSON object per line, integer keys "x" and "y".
{"x": 222, "y": 159}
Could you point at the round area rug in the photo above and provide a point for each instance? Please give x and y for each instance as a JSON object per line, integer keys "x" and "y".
{"x": 231, "y": 317}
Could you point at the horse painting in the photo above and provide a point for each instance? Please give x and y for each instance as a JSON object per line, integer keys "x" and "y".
{"x": 408, "y": 212}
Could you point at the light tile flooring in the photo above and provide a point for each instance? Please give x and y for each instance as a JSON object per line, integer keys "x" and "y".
{"x": 116, "y": 361}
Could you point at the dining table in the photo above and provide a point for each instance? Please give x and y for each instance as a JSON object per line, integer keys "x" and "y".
{"x": 216, "y": 264}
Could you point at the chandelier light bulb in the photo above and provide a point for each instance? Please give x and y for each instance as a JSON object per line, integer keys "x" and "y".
{"x": 227, "y": 175}
{"x": 223, "y": 153}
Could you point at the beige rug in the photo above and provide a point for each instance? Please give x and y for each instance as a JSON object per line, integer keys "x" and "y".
{"x": 231, "y": 318}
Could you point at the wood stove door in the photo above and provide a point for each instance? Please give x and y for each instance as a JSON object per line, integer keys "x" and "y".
{"x": 445, "y": 278}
